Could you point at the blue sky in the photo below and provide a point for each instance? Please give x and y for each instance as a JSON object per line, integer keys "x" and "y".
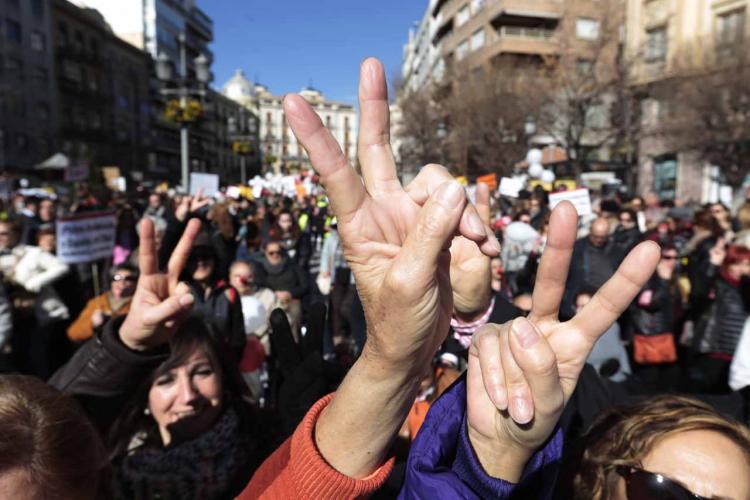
{"x": 286, "y": 44}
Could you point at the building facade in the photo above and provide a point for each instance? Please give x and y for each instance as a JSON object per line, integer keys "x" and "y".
{"x": 279, "y": 148}
{"x": 670, "y": 39}
{"x": 27, "y": 110}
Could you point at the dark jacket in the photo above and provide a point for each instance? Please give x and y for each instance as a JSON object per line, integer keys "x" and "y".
{"x": 287, "y": 277}
{"x": 443, "y": 464}
{"x": 104, "y": 374}
{"x": 655, "y": 309}
{"x": 626, "y": 239}
{"x": 584, "y": 270}
{"x": 224, "y": 308}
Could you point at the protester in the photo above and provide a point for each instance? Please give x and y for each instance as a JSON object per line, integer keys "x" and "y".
{"x": 110, "y": 304}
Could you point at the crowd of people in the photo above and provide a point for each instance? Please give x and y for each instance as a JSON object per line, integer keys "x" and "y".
{"x": 369, "y": 339}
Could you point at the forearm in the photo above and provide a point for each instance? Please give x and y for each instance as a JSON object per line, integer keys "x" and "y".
{"x": 356, "y": 430}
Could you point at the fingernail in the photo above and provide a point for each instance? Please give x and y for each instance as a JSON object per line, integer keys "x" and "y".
{"x": 495, "y": 244}
{"x": 475, "y": 223}
{"x": 186, "y": 299}
{"x": 522, "y": 411}
{"x": 500, "y": 399}
{"x": 525, "y": 332}
{"x": 450, "y": 195}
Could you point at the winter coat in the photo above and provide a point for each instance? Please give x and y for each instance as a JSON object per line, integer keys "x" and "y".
{"x": 82, "y": 329}
{"x": 224, "y": 307}
{"x": 443, "y": 464}
{"x": 286, "y": 277}
{"x": 654, "y": 311}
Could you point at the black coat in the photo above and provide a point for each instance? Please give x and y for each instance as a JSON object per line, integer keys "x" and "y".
{"x": 654, "y": 310}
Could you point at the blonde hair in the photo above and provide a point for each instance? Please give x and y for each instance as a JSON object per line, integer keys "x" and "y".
{"x": 623, "y": 436}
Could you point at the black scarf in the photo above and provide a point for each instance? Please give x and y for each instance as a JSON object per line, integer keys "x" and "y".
{"x": 215, "y": 465}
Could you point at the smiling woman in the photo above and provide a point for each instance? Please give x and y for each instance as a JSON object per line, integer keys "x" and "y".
{"x": 189, "y": 415}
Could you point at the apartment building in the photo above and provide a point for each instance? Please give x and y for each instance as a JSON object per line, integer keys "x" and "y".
{"x": 671, "y": 39}
{"x": 278, "y": 145}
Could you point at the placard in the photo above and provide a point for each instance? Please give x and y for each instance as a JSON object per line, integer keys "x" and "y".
{"x": 490, "y": 180}
{"x": 580, "y": 199}
{"x": 208, "y": 182}
{"x": 86, "y": 238}
{"x": 510, "y": 187}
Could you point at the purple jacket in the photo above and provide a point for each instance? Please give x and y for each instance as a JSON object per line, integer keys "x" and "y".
{"x": 442, "y": 463}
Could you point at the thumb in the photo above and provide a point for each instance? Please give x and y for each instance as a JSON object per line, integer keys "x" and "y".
{"x": 436, "y": 224}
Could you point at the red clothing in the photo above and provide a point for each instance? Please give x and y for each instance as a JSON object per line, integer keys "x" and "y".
{"x": 297, "y": 469}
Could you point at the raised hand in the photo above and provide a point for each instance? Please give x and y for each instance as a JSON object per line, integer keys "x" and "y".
{"x": 470, "y": 269}
{"x": 521, "y": 374}
{"x": 396, "y": 243}
{"x": 160, "y": 301}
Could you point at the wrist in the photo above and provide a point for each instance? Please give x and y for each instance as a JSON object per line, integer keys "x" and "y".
{"x": 505, "y": 461}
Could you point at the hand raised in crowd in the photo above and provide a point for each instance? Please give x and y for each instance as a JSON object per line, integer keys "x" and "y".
{"x": 396, "y": 245}
{"x": 160, "y": 301}
{"x": 470, "y": 268}
{"x": 521, "y": 374}
{"x": 190, "y": 205}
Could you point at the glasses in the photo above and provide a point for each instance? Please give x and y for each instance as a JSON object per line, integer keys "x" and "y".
{"x": 123, "y": 277}
{"x": 644, "y": 485}
{"x": 669, "y": 257}
{"x": 273, "y": 252}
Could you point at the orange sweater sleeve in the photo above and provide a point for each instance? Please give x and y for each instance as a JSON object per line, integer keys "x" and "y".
{"x": 82, "y": 329}
{"x": 298, "y": 470}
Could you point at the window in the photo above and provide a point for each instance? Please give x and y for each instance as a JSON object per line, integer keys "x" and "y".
{"x": 656, "y": 44}
{"x": 37, "y": 7}
{"x": 462, "y": 49}
{"x": 14, "y": 65}
{"x": 40, "y": 74}
{"x": 79, "y": 40}
{"x": 587, "y": 29}
{"x": 38, "y": 42}
{"x": 477, "y": 39}
{"x": 94, "y": 46}
{"x": 665, "y": 177}
{"x": 463, "y": 15}
{"x": 62, "y": 34}
{"x": 13, "y": 31}
{"x": 730, "y": 27}
{"x": 583, "y": 66}
{"x": 476, "y": 5}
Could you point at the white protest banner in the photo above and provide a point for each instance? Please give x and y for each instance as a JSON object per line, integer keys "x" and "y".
{"x": 86, "y": 238}
{"x": 208, "y": 182}
{"x": 510, "y": 187}
{"x": 578, "y": 197}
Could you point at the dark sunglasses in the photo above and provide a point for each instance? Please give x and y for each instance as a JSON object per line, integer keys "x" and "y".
{"x": 669, "y": 257}
{"x": 274, "y": 252}
{"x": 644, "y": 485}
{"x": 120, "y": 277}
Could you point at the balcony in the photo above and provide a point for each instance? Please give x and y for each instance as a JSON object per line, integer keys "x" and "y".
{"x": 538, "y": 9}
{"x": 201, "y": 23}
{"x": 525, "y": 40}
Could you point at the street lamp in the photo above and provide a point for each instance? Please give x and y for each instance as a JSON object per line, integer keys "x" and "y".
{"x": 165, "y": 73}
{"x": 243, "y": 133}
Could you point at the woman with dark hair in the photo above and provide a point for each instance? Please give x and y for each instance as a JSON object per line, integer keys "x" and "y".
{"x": 668, "y": 447}
{"x": 189, "y": 431}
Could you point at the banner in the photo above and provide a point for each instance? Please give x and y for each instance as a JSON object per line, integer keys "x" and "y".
{"x": 579, "y": 198}
{"x": 86, "y": 238}
{"x": 510, "y": 187}
{"x": 208, "y": 182}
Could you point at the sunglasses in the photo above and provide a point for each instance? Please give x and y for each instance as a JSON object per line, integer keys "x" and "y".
{"x": 644, "y": 485}
{"x": 274, "y": 252}
{"x": 123, "y": 277}
{"x": 669, "y": 257}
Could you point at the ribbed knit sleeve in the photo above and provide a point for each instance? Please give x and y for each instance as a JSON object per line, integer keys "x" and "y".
{"x": 298, "y": 470}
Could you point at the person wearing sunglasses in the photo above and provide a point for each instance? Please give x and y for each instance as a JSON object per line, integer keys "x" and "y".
{"x": 112, "y": 303}
{"x": 667, "y": 448}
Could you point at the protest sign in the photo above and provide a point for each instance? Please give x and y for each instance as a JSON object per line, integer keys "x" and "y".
{"x": 490, "y": 180}
{"x": 579, "y": 198}
{"x": 86, "y": 238}
{"x": 510, "y": 187}
{"x": 208, "y": 182}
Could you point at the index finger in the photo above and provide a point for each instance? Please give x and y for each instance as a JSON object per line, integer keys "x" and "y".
{"x": 553, "y": 270}
{"x": 147, "y": 263}
{"x": 181, "y": 252}
{"x": 618, "y": 292}
{"x": 343, "y": 186}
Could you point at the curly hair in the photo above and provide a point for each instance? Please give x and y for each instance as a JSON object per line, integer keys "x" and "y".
{"x": 625, "y": 435}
